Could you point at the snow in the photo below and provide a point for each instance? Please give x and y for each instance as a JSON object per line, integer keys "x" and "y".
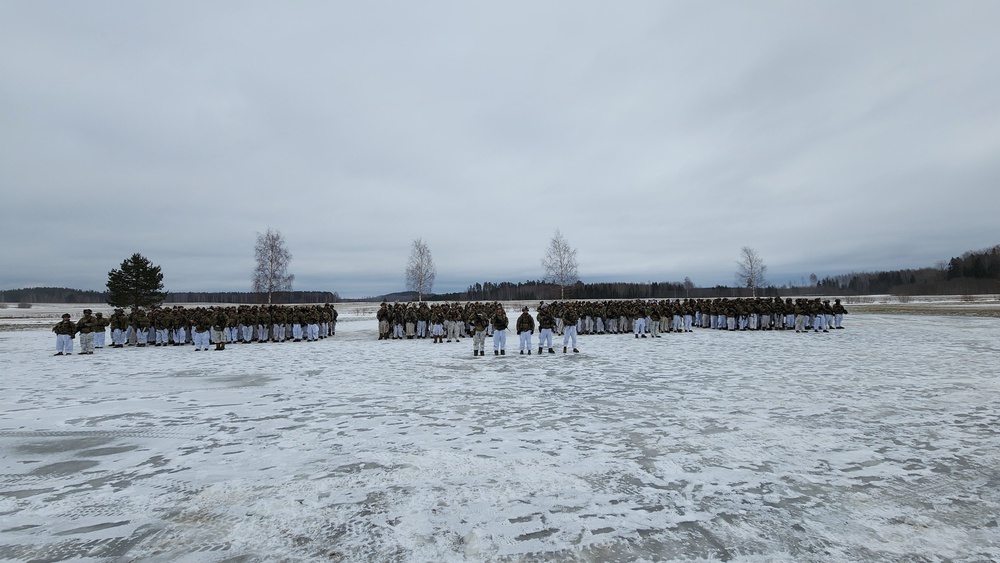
{"x": 877, "y": 442}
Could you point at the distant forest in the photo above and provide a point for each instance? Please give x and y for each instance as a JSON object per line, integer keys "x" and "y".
{"x": 973, "y": 273}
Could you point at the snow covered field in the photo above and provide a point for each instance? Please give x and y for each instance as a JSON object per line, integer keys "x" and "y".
{"x": 880, "y": 442}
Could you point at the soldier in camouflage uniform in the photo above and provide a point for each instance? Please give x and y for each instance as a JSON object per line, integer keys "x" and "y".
{"x": 311, "y": 317}
{"x": 452, "y": 318}
{"x": 638, "y": 319}
{"x": 332, "y": 320}
{"x": 525, "y": 328}
{"x": 220, "y": 322}
{"x": 100, "y": 330}
{"x": 838, "y": 314}
{"x": 160, "y": 326}
{"x": 140, "y": 327}
{"x": 200, "y": 324}
{"x": 65, "y": 333}
{"x": 570, "y": 320}
{"x": 437, "y": 324}
{"x": 279, "y": 318}
{"x": 85, "y": 328}
{"x": 119, "y": 325}
{"x": 500, "y": 322}
{"x": 546, "y": 322}
{"x": 263, "y": 319}
{"x": 479, "y": 323}
{"x": 423, "y": 318}
{"x": 409, "y": 321}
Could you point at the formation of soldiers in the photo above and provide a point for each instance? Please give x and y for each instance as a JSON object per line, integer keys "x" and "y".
{"x": 639, "y": 317}
{"x": 645, "y": 318}
{"x": 447, "y": 322}
{"x": 200, "y": 326}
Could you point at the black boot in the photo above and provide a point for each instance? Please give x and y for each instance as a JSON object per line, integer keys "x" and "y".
{"x": 503, "y": 352}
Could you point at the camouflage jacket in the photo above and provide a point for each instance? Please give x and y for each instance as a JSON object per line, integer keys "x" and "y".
{"x": 525, "y": 323}
{"x": 500, "y": 321}
{"x": 86, "y": 324}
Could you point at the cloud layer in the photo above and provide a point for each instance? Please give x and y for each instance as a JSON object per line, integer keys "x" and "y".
{"x": 658, "y": 137}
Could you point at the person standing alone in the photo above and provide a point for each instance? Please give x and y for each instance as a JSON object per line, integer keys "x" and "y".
{"x": 525, "y": 328}
{"x": 65, "y": 333}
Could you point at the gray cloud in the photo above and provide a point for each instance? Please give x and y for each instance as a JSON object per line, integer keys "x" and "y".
{"x": 659, "y": 137}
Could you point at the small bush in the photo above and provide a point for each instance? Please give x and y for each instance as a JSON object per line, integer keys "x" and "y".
{"x": 23, "y": 305}
{"x": 3, "y": 305}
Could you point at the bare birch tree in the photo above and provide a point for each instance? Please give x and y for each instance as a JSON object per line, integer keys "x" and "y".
{"x": 420, "y": 272}
{"x": 272, "y": 256}
{"x": 560, "y": 263}
{"x": 750, "y": 270}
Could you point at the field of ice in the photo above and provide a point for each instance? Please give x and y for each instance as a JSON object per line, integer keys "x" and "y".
{"x": 880, "y": 442}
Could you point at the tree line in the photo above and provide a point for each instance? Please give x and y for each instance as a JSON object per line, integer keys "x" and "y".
{"x": 972, "y": 273}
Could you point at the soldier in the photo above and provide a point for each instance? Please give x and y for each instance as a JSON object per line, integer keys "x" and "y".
{"x": 789, "y": 311}
{"x": 161, "y": 326}
{"x": 638, "y": 319}
{"x": 801, "y": 314}
{"x": 546, "y": 322}
{"x": 99, "y": 330}
{"x": 220, "y": 324}
{"x": 263, "y": 318}
{"x": 119, "y": 326}
{"x": 200, "y": 326}
{"x": 423, "y": 316}
{"x": 525, "y": 328}
{"x": 311, "y": 317}
{"x": 452, "y": 319}
{"x": 297, "y": 318}
{"x": 819, "y": 315}
{"x": 409, "y": 321}
{"x": 398, "y": 318}
{"x": 246, "y": 319}
{"x": 140, "y": 328}
{"x": 437, "y": 324}
{"x": 499, "y": 321}
{"x": 85, "y": 327}
{"x": 570, "y": 318}
{"x": 838, "y": 314}
{"x": 654, "y": 319}
{"x": 65, "y": 333}
{"x": 333, "y": 320}
{"x": 479, "y": 324}
{"x": 278, "y": 319}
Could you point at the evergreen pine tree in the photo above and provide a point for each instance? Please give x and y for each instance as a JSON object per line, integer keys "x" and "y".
{"x": 137, "y": 284}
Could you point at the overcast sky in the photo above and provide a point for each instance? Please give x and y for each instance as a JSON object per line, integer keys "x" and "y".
{"x": 659, "y": 137}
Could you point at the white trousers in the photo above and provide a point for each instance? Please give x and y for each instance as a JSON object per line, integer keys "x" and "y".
{"x": 64, "y": 343}
{"x": 570, "y": 333}
{"x": 545, "y": 338}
